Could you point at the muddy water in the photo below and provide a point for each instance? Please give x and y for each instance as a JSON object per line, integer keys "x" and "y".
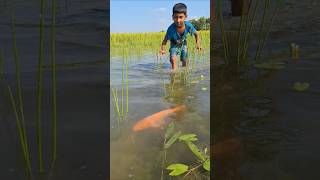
{"x": 263, "y": 128}
{"x": 139, "y": 155}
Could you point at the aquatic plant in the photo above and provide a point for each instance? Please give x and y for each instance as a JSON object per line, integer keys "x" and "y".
{"x": 179, "y": 168}
{"x": 294, "y": 50}
{"x": 301, "y": 86}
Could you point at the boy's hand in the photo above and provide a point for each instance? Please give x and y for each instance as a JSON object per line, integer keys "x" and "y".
{"x": 198, "y": 47}
{"x": 162, "y": 51}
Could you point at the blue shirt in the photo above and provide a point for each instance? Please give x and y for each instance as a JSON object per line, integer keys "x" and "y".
{"x": 175, "y": 38}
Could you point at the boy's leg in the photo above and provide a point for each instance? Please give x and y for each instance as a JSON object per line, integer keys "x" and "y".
{"x": 173, "y": 61}
{"x": 173, "y": 58}
{"x": 184, "y": 55}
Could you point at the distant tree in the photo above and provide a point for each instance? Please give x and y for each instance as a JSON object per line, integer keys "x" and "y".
{"x": 201, "y": 24}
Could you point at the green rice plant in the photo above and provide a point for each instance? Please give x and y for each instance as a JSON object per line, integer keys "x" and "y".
{"x": 248, "y": 31}
{"x": 278, "y": 5}
{"x": 139, "y": 44}
{"x": 22, "y": 135}
{"x": 18, "y": 80}
{"x": 223, "y": 33}
{"x": 245, "y": 28}
{"x": 122, "y": 106}
{"x": 116, "y": 104}
{"x": 53, "y": 76}
{"x": 21, "y": 125}
{"x": 239, "y": 35}
{"x": 2, "y": 81}
{"x": 122, "y": 88}
{"x": 263, "y": 23}
{"x": 40, "y": 85}
{"x": 127, "y": 86}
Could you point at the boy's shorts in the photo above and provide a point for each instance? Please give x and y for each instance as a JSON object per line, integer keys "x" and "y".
{"x": 179, "y": 51}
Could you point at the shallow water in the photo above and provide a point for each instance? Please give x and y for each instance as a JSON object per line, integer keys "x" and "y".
{"x": 138, "y": 155}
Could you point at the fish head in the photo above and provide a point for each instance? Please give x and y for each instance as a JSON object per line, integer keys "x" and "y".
{"x": 180, "y": 108}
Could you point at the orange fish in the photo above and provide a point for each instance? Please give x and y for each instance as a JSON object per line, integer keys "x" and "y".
{"x": 156, "y": 120}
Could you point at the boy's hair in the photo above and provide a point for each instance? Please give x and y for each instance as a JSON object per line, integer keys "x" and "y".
{"x": 179, "y": 8}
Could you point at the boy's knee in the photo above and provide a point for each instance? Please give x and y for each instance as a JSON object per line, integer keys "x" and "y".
{"x": 173, "y": 58}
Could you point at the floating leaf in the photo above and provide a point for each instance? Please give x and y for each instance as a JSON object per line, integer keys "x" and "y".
{"x": 195, "y": 150}
{"x": 169, "y": 130}
{"x": 188, "y": 137}
{"x": 194, "y": 82}
{"x": 177, "y": 169}
{"x": 301, "y": 86}
{"x": 172, "y": 140}
{"x": 204, "y": 89}
{"x": 206, "y": 165}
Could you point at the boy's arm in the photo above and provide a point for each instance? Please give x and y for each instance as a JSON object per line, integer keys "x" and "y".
{"x": 197, "y": 37}
{"x": 163, "y": 45}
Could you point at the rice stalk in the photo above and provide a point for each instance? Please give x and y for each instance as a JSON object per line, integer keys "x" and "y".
{"x": 263, "y": 23}
{"x": 40, "y": 85}
{"x": 21, "y": 125}
{"x": 53, "y": 75}
{"x": 22, "y": 136}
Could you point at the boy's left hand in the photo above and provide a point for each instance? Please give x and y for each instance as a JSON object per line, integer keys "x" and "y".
{"x": 198, "y": 47}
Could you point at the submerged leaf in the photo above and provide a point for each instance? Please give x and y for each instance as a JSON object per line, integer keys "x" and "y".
{"x": 177, "y": 169}
{"x": 169, "y": 130}
{"x": 188, "y": 137}
{"x": 172, "y": 140}
{"x": 195, "y": 150}
{"x": 301, "y": 86}
{"x": 206, "y": 165}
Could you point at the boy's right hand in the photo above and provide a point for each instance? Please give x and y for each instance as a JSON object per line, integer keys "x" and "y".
{"x": 162, "y": 51}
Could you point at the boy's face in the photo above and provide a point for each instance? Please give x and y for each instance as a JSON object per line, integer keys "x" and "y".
{"x": 178, "y": 19}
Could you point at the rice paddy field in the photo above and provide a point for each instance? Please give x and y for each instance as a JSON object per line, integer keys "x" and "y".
{"x": 142, "y": 83}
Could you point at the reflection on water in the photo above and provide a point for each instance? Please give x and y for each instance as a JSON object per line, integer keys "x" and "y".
{"x": 139, "y": 155}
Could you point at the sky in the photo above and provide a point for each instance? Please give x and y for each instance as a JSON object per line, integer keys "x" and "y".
{"x": 150, "y": 15}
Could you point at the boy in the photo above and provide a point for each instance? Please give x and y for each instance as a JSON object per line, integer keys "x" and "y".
{"x": 177, "y": 34}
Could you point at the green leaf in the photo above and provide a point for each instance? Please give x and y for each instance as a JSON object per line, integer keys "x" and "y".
{"x": 169, "y": 130}
{"x": 177, "y": 169}
{"x": 301, "y": 86}
{"x": 195, "y": 150}
{"x": 188, "y": 137}
{"x": 206, "y": 164}
{"x": 172, "y": 140}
